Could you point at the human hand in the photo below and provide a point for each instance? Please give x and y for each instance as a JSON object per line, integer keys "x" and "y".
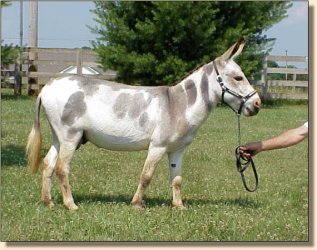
{"x": 250, "y": 149}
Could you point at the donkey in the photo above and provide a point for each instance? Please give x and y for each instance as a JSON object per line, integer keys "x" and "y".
{"x": 115, "y": 116}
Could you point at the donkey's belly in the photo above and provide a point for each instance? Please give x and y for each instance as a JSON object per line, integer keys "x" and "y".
{"x": 118, "y": 142}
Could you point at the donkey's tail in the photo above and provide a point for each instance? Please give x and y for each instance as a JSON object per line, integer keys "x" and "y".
{"x": 33, "y": 147}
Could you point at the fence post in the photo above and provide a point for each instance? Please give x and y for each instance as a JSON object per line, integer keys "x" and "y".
{"x": 264, "y": 78}
{"x": 79, "y": 61}
{"x": 32, "y": 56}
{"x": 17, "y": 78}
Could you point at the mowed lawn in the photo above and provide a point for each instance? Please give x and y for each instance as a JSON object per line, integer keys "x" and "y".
{"x": 103, "y": 184}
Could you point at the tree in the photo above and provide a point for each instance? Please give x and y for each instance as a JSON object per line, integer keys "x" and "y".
{"x": 155, "y": 43}
{"x": 9, "y": 53}
{"x": 4, "y": 3}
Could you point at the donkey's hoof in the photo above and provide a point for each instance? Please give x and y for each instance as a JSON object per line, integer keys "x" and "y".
{"x": 49, "y": 204}
{"x": 72, "y": 207}
{"x": 180, "y": 207}
{"x": 138, "y": 207}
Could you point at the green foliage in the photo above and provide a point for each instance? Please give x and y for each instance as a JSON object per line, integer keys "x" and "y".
{"x": 5, "y": 3}
{"x": 155, "y": 43}
{"x": 9, "y": 55}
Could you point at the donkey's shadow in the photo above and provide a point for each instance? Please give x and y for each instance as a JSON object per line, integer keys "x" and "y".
{"x": 116, "y": 199}
{"x": 12, "y": 155}
{"x": 157, "y": 202}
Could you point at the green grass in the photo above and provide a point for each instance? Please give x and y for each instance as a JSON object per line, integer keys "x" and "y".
{"x": 103, "y": 183}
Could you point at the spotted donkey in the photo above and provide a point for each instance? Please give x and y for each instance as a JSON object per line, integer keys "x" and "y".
{"x": 128, "y": 118}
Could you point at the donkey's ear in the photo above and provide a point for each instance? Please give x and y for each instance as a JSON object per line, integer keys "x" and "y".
{"x": 234, "y": 50}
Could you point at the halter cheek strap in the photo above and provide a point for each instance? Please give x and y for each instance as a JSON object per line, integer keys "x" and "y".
{"x": 243, "y": 99}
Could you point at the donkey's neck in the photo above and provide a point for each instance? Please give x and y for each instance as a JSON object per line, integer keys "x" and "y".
{"x": 200, "y": 94}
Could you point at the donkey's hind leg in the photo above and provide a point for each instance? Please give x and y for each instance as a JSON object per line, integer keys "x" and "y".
{"x": 48, "y": 169}
{"x": 65, "y": 156}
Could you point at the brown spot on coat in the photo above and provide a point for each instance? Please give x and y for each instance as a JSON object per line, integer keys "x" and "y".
{"x": 204, "y": 86}
{"x": 191, "y": 92}
{"x": 121, "y": 105}
{"x": 89, "y": 85}
{"x": 74, "y": 108}
{"x": 208, "y": 68}
{"x": 137, "y": 106}
{"x": 143, "y": 119}
{"x": 118, "y": 86}
{"x": 174, "y": 104}
{"x": 133, "y": 105}
{"x": 177, "y": 102}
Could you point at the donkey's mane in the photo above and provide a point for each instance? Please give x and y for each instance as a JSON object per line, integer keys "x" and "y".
{"x": 189, "y": 73}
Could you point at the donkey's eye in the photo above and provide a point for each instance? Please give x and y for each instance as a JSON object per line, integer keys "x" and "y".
{"x": 238, "y": 78}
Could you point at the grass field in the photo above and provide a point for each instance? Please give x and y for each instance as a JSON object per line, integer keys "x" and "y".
{"x": 103, "y": 183}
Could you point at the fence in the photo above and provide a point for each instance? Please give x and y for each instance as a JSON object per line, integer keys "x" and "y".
{"x": 37, "y": 65}
{"x": 285, "y": 82}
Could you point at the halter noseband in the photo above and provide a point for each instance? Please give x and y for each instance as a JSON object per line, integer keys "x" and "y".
{"x": 241, "y": 162}
{"x": 243, "y": 99}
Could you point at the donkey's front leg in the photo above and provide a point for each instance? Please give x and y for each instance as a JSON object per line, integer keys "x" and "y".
{"x": 155, "y": 154}
{"x": 175, "y": 165}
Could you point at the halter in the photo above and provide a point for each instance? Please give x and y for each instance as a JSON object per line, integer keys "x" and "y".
{"x": 241, "y": 162}
{"x": 243, "y": 99}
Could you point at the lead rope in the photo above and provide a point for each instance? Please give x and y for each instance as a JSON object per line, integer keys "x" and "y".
{"x": 239, "y": 130}
{"x": 242, "y": 163}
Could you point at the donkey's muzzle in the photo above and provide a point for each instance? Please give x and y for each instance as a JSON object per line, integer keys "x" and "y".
{"x": 251, "y": 110}
{"x": 257, "y": 105}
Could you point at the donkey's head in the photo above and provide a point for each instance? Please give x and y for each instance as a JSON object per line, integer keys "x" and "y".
{"x": 235, "y": 89}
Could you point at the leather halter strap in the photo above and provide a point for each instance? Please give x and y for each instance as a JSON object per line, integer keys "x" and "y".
{"x": 243, "y": 99}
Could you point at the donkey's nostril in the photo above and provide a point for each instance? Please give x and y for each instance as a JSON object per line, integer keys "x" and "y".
{"x": 257, "y": 103}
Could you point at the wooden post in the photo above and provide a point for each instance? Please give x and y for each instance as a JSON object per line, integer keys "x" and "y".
{"x": 294, "y": 79}
{"x": 18, "y": 77}
{"x": 1, "y": 43}
{"x": 264, "y": 78}
{"x": 33, "y": 38}
{"x": 79, "y": 62}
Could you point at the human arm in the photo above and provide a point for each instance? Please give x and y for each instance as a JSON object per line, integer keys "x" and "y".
{"x": 286, "y": 139}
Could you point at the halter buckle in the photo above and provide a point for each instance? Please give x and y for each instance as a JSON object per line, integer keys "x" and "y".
{"x": 219, "y": 79}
